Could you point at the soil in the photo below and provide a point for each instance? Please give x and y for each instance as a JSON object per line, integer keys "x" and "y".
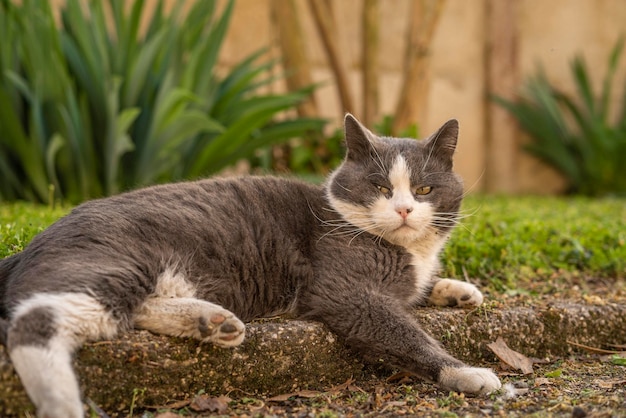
{"x": 583, "y": 386}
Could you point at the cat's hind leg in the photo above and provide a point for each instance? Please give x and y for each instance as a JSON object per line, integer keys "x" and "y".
{"x": 42, "y": 335}
{"x": 190, "y": 317}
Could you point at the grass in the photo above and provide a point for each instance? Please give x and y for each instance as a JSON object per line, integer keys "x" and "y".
{"x": 506, "y": 242}
{"x": 21, "y": 221}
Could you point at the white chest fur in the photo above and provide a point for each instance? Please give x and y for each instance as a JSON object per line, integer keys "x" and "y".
{"x": 426, "y": 261}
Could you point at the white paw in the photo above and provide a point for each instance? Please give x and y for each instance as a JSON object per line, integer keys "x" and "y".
{"x": 190, "y": 317}
{"x": 473, "y": 380}
{"x": 448, "y": 292}
{"x": 222, "y": 328}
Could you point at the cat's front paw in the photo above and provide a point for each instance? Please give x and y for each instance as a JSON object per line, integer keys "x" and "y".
{"x": 448, "y": 292}
{"x": 472, "y": 380}
{"x": 222, "y": 328}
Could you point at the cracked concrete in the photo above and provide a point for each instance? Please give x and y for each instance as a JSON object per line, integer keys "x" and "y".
{"x": 283, "y": 356}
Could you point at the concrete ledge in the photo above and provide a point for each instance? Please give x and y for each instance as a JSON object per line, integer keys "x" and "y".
{"x": 284, "y": 356}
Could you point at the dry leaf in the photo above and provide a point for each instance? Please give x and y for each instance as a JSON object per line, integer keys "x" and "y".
{"x": 400, "y": 377}
{"x": 309, "y": 393}
{"x": 167, "y": 415}
{"x": 542, "y": 381}
{"x": 348, "y": 385}
{"x": 204, "y": 403}
{"x": 610, "y": 383}
{"x": 603, "y": 384}
{"x": 353, "y": 388}
{"x": 511, "y": 357}
{"x": 300, "y": 394}
{"x": 282, "y": 398}
{"x": 173, "y": 405}
{"x": 342, "y": 386}
{"x": 392, "y": 404}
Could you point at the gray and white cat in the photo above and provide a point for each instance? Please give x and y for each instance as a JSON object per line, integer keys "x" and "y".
{"x": 199, "y": 259}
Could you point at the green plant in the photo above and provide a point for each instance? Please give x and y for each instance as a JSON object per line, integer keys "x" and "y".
{"x": 618, "y": 360}
{"x": 385, "y": 128}
{"x": 316, "y": 155}
{"x": 137, "y": 393}
{"x": 95, "y": 106}
{"x": 581, "y": 136}
{"x": 311, "y": 157}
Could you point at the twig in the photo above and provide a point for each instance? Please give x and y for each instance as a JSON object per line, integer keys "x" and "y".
{"x": 595, "y": 350}
{"x": 618, "y": 346}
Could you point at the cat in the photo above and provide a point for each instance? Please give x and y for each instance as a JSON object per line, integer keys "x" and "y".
{"x": 198, "y": 259}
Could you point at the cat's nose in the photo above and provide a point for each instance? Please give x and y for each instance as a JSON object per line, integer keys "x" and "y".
{"x": 404, "y": 212}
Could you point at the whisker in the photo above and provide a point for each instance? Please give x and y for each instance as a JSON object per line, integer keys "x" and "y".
{"x": 380, "y": 163}
{"x": 355, "y": 231}
{"x": 444, "y": 219}
{"x": 430, "y": 151}
{"x": 435, "y": 173}
{"x": 474, "y": 185}
{"x": 343, "y": 187}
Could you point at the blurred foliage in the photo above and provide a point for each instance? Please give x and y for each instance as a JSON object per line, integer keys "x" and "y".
{"x": 94, "y": 106}
{"x": 581, "y": 136}
{"x": 315, "y": 156}
{"x": 311, "y": 157}
{"x": 385, "y": 128}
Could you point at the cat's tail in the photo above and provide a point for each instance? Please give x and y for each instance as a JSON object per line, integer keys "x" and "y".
{"x": 4, "y": 331}
{"x": 6, "y": 266}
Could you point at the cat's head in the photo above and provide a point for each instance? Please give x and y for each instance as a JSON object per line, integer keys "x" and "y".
{"x": 401, "y": 189}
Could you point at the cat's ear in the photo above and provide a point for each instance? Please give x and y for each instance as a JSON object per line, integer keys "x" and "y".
{"x": 358, "y": 138}
{"x": 442, "y": 143}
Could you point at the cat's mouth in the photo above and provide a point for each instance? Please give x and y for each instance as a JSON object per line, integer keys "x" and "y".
{"x": 404, "y": 227}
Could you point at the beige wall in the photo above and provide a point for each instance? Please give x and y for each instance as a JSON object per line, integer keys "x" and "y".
{"x": 548, "y": 33}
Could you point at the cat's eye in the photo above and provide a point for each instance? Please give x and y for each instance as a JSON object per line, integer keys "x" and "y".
{"x": 424, "y": 190}
{"x": 384, "y": 190}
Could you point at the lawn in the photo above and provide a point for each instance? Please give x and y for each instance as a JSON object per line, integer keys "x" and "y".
{"x": 512, "y": 242}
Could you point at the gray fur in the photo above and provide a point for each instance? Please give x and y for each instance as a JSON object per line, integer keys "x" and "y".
{"x": 256, "y": 246}
{"x": 36, "y": 328}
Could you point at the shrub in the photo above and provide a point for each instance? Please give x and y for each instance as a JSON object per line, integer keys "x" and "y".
{"x": 315, "y": 156}
{"x": 581, "y": 136}
{"x": 88, "y": 109}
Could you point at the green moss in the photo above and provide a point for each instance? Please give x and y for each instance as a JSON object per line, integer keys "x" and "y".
{"x": 511, "y": 241}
